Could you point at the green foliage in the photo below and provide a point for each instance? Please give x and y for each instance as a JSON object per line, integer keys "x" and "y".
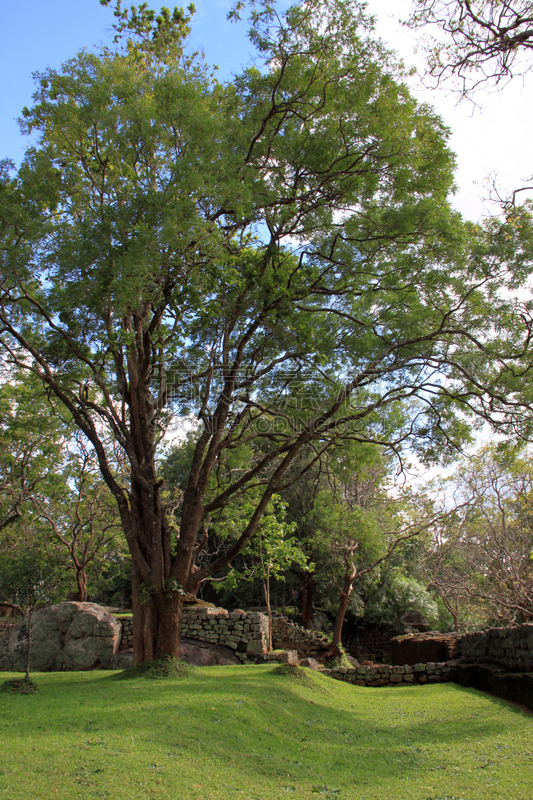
{"x": 31, "y": 442}
{"x": 274, "y": 256}
{"x": 52, "y": 497}
{"x": 479, "y": 561}
{"x": 29, "y": 577}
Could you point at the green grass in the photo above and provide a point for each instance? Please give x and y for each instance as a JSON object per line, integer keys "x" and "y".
{"x": 259, "y": 733}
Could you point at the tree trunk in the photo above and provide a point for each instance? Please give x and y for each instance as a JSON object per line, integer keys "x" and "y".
{"x": 307, "y": 599}
{"x": 341, "y": 611}
{"x": 344, "y": 596}
{"x": 266, "y": 592}
{"x": 156, "y": 622}
{"x": 29, "y": 646}
{"x": 81, "y": 580}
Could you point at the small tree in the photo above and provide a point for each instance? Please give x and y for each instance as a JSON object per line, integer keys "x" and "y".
{"x": 76, "y": 511}
{"x": 28, "y": 577}
{"x": 480, "y": 559}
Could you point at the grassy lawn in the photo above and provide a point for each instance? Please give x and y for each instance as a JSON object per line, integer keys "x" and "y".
{"x": 255, "y": 733}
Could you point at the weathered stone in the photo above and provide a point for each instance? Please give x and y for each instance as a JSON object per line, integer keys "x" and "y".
{"x": 256, "y": 646}
{"x": 122, "y": 660}
{"x": 353, "y": 661}
{"x": 71, "y": 635}
{"x": 204, "y": 655}
{"x": 311, "y": 663}
{"x": 288, "y": 657}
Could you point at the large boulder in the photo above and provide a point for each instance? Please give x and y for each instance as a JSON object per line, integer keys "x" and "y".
{"x": 67, "y": 636}
{"x": 192, "y": 652}
{"x": 206, "y": 655}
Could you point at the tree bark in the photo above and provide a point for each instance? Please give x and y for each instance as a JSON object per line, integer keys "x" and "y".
{"x": 81, "y": 580}
{"x": 29, "y": 646}
{"x": 344, "y": 597}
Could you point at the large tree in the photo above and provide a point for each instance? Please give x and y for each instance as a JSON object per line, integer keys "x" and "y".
{"x": 274, "y": 256}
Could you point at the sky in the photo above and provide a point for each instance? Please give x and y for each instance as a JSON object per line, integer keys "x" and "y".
{"x": 494, "y": 139}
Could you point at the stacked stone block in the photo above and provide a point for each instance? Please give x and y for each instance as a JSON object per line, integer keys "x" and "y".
{"x": 287, "y": 635}
{"x": 510, "y": 648}
{"x": 415, "y": 648}
{"x": 238, "y": 630}
{"x": 369, "y": 644}
{"x": 126, "y": 641}
{"x": 407, "y": 675}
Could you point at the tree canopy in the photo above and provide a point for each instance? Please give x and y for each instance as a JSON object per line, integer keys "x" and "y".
{"x": 274, "y": 256}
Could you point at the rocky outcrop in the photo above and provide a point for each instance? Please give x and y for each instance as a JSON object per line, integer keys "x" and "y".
{"x": 67, "y": 636}
{"x": 199, "y": 654}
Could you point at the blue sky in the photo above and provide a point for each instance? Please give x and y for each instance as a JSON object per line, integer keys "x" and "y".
{"x": 36, "y": 34}
{"x": 495, "y": 138}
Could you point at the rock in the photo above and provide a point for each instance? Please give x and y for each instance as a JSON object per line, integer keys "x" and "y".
{"x": 70, "y": 635}
{"x": 122, "y": 660}
{"x": 256, "y": 646}
{"x": 205, "y": 655}
{"x": 288, "y": 657}
{"x": 201, "y": 655}
{"x": 353, "y": 661}
{"x": 311, "y": 663}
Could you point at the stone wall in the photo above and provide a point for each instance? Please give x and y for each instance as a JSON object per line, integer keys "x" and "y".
{"x": 510, "y": 648}
{"x": 369, "y": 644}
{"x": 126, "y": 641}
{"x": 240, "y": 631}
{"x": 287, "y": 635}
{"x": 385, "y": 675}
{"x": 416, "y": 648}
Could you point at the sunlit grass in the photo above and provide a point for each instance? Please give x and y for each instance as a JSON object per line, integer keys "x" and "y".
{"x": 259, "y": 734}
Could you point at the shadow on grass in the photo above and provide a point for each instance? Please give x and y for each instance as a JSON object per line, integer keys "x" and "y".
{"x": 293, "y": 723}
